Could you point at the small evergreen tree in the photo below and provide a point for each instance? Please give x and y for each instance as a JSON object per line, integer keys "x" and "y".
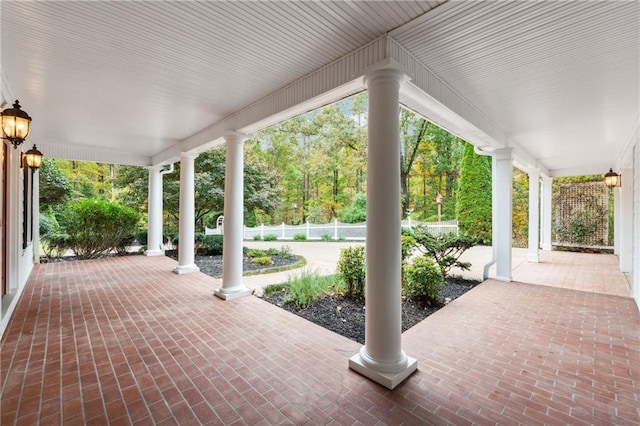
{"x": 474, "y": 196}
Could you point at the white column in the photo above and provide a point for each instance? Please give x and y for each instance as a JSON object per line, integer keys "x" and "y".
{"x": 501, "y": 212}
{"x": 547, "y": 192}
{"x": 626, "y": 222}
{"x": 186, "y": 226}
{"x": 534, "y": 215}
{"x": 381, "y": 358}
{"x": 617, "y": 193}
{"x": 154, "y": 213}
{"x": 232, "y": 285}
{"x": 36, "y": 216}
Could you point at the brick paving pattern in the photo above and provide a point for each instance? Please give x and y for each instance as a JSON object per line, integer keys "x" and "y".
{"x": 126, "y": 341}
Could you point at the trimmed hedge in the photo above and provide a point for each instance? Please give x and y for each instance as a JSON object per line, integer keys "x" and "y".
{"x": 473, "y": 207}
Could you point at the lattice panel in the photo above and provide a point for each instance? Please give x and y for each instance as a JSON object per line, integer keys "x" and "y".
{"x": 582, "y": 214}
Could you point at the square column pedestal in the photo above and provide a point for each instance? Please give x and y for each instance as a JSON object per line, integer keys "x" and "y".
{"x": 388, "y": 380}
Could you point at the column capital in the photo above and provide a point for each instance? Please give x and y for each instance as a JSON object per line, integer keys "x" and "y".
{"x": 503, "y": 153}
{"x": 384, "y": 75}
{"x": 189, "y": 155}
{"x": 235, "y": 137}
{"x": 155, "y": 168}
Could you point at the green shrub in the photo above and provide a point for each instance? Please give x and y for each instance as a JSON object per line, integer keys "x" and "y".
{"x": 351, "y": 266}
{"x": 424, "y": 280}
{"x": 254, "y": 253}
{"x": 326, "y": 237}
{"x": 300, "y": 237}
{"x": 307, "y": 288}
{"x": 408, "y": 244}
{"x": 270, "y": 237}
{"x": 55, "y": 245}
{"x": 142, "y": 238}
{"x": 257, "y": 237}
{"x": 213, "y": 244}
{"x": 356, "y": 212}
{"x": 445, "y": 249}
{"x": 97, "y": 226}
{"x": 285, "y": 251}
{"x": 262, "y": 261}
{"x": 474, "y": 208}
{"x": 273, "y": 252}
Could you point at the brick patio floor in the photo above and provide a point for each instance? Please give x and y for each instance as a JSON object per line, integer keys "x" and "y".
{"x": 124, "y": 340}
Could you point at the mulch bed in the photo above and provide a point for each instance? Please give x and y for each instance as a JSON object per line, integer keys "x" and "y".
{"x": 212, "y": 265}
{"x": 346, "y": 316}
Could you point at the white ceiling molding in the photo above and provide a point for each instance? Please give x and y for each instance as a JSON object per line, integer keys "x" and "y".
{"x": 97, "y": 155}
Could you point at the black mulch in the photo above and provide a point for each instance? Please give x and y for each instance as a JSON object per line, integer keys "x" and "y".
{"x": 346, "y": 316}
{"x": 212, "y": 265}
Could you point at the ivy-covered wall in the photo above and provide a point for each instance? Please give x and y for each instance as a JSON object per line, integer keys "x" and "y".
{"x": 582, "y": 213}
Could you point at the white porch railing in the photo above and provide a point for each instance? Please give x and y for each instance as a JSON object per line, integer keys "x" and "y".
{"x": 330, "y": 231}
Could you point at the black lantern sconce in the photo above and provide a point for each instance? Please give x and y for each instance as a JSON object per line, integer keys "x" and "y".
{"x": 16, "y": 124}
{"x": 612, "y": 179}
{"x": 32, "y": 159}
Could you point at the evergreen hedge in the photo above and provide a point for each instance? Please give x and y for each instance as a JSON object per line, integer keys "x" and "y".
{"x": 473, "y": 207}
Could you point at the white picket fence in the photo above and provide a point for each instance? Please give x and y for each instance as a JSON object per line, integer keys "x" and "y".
{"x": 329, "y": 231}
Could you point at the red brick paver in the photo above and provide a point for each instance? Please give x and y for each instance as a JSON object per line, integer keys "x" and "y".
{"x": 125, "y": 341}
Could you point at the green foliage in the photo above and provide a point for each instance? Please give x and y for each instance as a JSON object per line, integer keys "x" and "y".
{"x": 213, "y": 244}
{"x": 262, "y": 261}
{"x": 306, "y": 289}
{"x": 55, "y": 245}
{"x": 520, "y": 212}
{"x": 300, "y": 237}
{"x": 326, "y": 237}
{"x": 408, "y": 243}
{"x": 257, "y": 237}
{"x": 285, "y": 251}
{"x": 356, "y": 212}
{"x": 55, "y": 187}
{"x": 273, "y": 252}
{"x": 445, "y": 249}
{"x": 424, "y": 280}
{"x": 474, "y": 196}
{"x": 254, "y": 253}
{"x": 274, "y": 288}
{"x": 351, "y": 265}
{"x": 96, "y": 227}
{"x": 270, "y": 237}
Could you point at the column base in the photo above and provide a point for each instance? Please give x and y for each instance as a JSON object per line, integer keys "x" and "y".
{"x": 503, "y": 279}
{"x": 157, "y": 252}
{"x": 546, "y": 247}
{"x": 230, "y": 295}
{"x": 185, "y": 269}
{"x": 388, "y": 380}
{"x": 533, "y": 258}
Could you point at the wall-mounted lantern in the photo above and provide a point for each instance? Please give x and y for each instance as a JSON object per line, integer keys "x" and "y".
{"x": 612, "y": 179}
{"x": 16, "y": 124}
{"x": 32, "y": 158}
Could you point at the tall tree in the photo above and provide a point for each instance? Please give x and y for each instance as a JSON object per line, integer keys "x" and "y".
{"x": 413, "y": 130}
{"x": 474, "y": 196}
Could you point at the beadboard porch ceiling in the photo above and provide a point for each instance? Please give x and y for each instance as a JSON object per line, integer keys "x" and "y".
{"x": 560, "y": 79}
